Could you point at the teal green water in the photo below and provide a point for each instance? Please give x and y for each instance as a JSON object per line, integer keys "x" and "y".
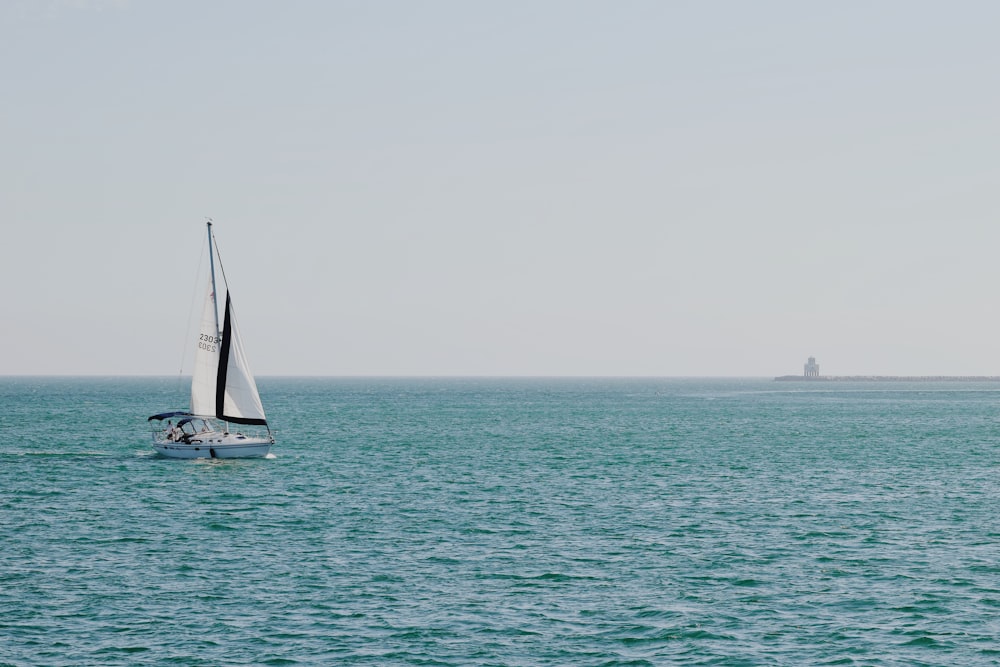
{"x": 507, "y": 522}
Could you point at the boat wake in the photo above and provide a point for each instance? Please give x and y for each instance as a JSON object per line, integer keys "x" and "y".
{"x": 55, "y": 454}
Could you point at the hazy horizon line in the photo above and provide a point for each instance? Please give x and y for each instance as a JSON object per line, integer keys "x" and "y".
{"x": 504, "y": 376}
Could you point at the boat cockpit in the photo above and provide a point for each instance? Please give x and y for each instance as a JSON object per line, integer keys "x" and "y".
{"x": 186, "y": 428}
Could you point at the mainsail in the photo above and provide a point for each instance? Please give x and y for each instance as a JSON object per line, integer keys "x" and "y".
{"x": 206, "y": 359}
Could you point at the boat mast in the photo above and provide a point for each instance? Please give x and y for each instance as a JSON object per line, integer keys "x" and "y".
{"x": 211, "y": 264}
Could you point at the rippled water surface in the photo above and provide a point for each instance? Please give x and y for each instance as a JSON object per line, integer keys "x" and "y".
{"x": 507, "y": 522}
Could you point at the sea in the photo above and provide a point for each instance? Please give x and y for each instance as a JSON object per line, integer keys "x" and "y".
{"x": 505, "y": 521}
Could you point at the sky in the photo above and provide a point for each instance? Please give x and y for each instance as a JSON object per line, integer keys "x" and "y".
{"x": 553, "y": 188}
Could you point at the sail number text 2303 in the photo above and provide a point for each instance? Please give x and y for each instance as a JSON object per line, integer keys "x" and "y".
{"x": 207, "y": 342}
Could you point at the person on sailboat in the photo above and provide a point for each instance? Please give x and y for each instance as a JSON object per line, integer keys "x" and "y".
{"x": 169, "y": 430}
{"x": 175, "y": 433}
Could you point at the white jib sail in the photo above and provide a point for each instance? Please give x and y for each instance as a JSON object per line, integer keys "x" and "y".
{"x": 241, "y": 399}
{"x": 206, "y": 360}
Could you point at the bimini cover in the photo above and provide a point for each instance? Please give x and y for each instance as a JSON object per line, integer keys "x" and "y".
{"x": 169, "y": 415}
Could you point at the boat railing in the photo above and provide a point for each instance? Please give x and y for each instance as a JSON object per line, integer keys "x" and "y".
{"x": 247, "y": 431}
{"x": 162, "y": 435}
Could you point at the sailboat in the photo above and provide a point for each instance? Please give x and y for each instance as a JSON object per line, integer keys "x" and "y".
{"x": 226, "y": 419}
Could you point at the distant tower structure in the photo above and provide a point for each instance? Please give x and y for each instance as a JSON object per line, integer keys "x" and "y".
{"x": 812, "y": 368}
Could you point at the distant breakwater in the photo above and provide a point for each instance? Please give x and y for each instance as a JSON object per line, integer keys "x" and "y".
{"x": 889, "y": 378}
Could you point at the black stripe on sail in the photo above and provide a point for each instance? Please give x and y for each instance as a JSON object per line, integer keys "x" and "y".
{"x": 220, "y": 380}
{"x": 244, "y": 420}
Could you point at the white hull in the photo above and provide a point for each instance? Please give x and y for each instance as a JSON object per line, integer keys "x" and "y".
{"x": 242, "y": 449}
